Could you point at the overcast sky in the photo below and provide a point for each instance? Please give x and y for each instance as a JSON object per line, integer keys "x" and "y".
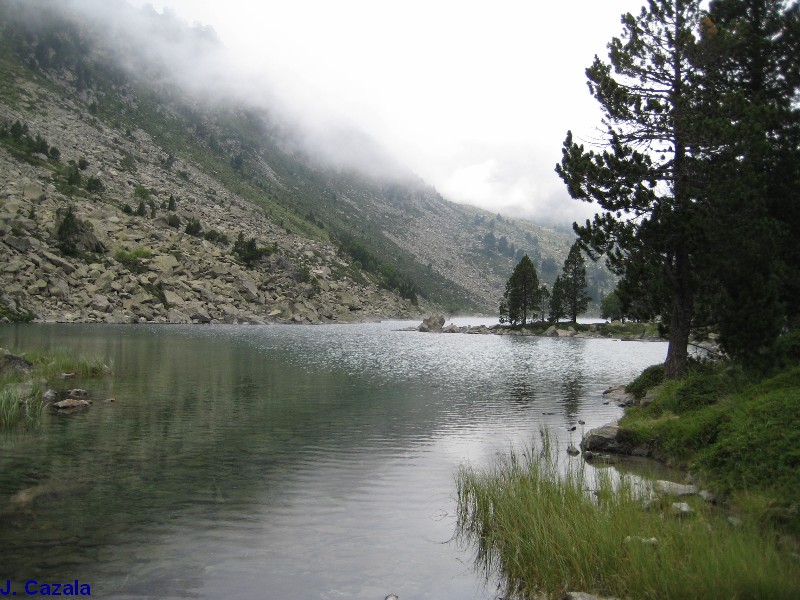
{"x": 475, "y": 97}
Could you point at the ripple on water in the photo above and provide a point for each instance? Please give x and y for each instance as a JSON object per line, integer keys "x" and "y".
{"x": 287, "y": 462}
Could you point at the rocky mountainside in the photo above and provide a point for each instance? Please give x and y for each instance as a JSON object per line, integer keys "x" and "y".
{"x": 124, "y": 198}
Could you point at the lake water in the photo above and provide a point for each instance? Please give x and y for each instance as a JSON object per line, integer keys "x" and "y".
{"x": 285, "y": 462}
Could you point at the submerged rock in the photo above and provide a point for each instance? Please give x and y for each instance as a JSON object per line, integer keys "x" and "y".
{"x": 71, "y": 405}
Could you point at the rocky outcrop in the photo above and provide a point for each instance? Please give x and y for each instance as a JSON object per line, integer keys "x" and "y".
{"x": 83, "y": 257}
{"x": 433, "y": 323}
{"x": 10, "y": 363}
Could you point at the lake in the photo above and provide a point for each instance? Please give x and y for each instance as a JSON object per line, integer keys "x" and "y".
{"x": 285, "y": 462}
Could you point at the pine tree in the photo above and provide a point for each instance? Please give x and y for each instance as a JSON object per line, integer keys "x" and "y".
{"x": 544, "y": 302}
{"x": 750, "y": 91}
{"x": 573, "y": 282}
{"x": 521, "y": 294}
{"x": 646, "y": 168}
{"x": 557, "y": 305}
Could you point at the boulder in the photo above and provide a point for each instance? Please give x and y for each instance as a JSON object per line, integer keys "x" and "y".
{"x": 432, "y": 323}
{"x": 176, "y": 316}
{"x": 674, "y": 489}
{"x": 71, "y": 404}
{"x": 163, "y": 263}
{"x": 100, "y": 303}
{"x": 602, "y": 439}
{"x": 14, "y": 364}
{"x": 681, "y": 509}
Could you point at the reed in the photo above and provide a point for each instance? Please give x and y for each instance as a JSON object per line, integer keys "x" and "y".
{"x": 21, "y": 394}
{"x": 545, "y": 528}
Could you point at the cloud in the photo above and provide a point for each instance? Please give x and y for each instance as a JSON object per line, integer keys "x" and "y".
{"x": 474, "y": 97}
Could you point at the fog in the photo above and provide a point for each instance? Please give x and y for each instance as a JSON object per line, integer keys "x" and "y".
{"x": 475, "y": 98}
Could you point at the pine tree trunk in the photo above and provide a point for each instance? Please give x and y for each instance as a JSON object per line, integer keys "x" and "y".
{"x": 681, "y": 320}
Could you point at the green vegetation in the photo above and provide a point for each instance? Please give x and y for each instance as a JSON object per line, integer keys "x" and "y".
{"x": 16, "y": 137}
{"x": 193, "y": 227}
{"x": 738, "y": 430}
{"x": 21, "y": 399}
{"x": 247, "y": 251}
{"x": 135, "y": 261}
{"x": 388, "y": 276}
{"x": 697, "y": 175}
{"x": 543, "y": 530}
{"x": 523, "y": 294}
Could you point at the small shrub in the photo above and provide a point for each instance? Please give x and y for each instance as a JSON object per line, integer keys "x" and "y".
{"x": 83, "y": 164}
{"x": 126, "y": 208}
{"x": 174, "y": 220}
{"x": 212, "y": 235}
{"x": 247, "y": 251}
{"x": 94, "y": 185}
{"x": 67, "y": 232}
{"x": 55, "y": 153}
{"x": 135, "y": 261}
{"x": 193, "y": 227}
{"x": 74, "y": 176}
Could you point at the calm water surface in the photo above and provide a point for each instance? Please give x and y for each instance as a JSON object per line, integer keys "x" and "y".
{"x": 285, "y": 462}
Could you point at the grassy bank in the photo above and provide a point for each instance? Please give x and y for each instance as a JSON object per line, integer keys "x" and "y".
{"x": 21, "y": 391}
{"x": 545, "y": 532}
{"x": 735, "y": 429}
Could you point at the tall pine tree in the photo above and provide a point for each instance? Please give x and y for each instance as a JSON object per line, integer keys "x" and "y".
{"x": 642, "y": 179}
{"x": 573, "y": 282}
{"x": 749, "y": 95}
{"x": 521, "y": 296}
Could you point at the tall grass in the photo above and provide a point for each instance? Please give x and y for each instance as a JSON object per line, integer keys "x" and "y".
{"x": 21, "y": 400}
{"x": 543, "y": 529}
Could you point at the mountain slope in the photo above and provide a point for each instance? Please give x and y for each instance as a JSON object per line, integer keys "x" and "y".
{"x": 342, "y": 244}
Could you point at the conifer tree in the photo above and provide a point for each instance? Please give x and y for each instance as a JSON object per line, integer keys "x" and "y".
{"x": 573, "y": 282}
{"x": 522, "y": 292}
{"x": 750, "y": 91}
{"x": 642, "y": 178}
{"x": 557, "y": 305}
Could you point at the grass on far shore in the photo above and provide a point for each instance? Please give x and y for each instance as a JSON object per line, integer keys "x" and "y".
{"x": 21, "y": 399}
{"x": 543, "y": 531}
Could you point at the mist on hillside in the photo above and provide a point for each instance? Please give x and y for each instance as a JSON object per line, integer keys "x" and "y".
{"x": 169, "y": 52}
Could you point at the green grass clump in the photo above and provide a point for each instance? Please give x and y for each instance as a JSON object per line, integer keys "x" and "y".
{"x": 135, "y": 260}
{"x": 541, "y": 530}
{"x": 21, "y": 398}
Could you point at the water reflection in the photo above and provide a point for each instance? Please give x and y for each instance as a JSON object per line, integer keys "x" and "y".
{"x": 312, "y": 462}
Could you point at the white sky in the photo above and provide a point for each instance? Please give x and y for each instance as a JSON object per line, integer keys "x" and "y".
{"x": 475, "y": 97}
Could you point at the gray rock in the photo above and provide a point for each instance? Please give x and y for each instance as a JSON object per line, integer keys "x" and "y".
{"x": 681, "y": 509}
{"x": 100, "y": 303}
{"x": 10, "y": 363}
{"x": 434, "y": 323}
{"x": 674, "y": 489}
{"x": 176, "y": 316}
{"x": 602, "y": 439}
{"x": 58, "y": 288}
